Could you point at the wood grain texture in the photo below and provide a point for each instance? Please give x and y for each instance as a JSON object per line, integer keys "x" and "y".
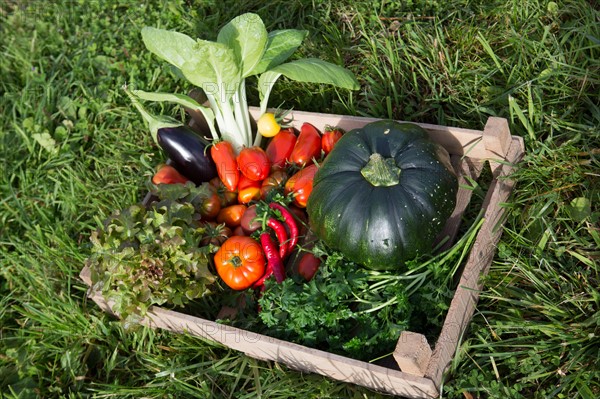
{"x": 467, "y": 170}
{"x": 496, "y": 137}
{"x": 457, "y": 141}
{"x": 478, "y": 262}
{"x": 412, "y": 353}
{"x": 295, "y": 356}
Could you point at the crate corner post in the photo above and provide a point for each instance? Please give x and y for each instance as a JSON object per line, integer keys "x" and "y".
{"x": 496, "y": 136}
{"x": 412, "y": 353}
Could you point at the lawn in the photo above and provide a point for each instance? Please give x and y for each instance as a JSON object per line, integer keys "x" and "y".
{"x": 72, "y": 149}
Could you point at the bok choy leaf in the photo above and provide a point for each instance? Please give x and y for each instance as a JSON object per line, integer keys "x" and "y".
{"x": 243, "y": 48}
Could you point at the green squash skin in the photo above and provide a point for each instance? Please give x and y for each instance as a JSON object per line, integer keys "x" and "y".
{"x": 383, "y": 227}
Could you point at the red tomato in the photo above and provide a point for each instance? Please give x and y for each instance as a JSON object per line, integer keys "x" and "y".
{"x": 238, "y": 231}
{"x": 225, "y": 161}
{"x": 240, "y": 262}
{"x": 246, "y": 182}
{"x": 301, "y": 184}
{"x": 231, "y": 215}
{"x": 329, "y": 139}
{"x": 249, "y": 223}
{"x": 226, "y": 196}
{"x": 214, "y": 233}
{"x": 308, "y": 266}
{"x": 210, "y": 207}
{"x": 308, "y": 145}
{"x": 253, "y": 163}
{"x": 280, "y": 147}
{"x": 166, "y": 174}
{"x": 275, "y": 181}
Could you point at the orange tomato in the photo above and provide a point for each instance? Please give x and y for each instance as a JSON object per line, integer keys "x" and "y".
{"x": 231, "y": 215}
{"x": 240, "y": 262}
{"x": 246, "y": 182}
{"x": 248, "y": 190}
{"x": 248, "y": 194}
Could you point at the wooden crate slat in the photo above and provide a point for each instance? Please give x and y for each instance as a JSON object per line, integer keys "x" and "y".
{"x": 496, "y": 136}
{"x": 479, "y": 259}
{"x": 412, "y": 353}
{"x": 295, "y": 356}
{"x": 458, "y": 141}
{"x": 467, "y": 169}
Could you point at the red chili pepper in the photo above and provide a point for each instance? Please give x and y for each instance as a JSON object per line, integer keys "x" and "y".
{"x": 281, "y": 234}
{"x": 260, "y": 283}
{"x": 272, "y": 255}
{"x": 291, "y": 222}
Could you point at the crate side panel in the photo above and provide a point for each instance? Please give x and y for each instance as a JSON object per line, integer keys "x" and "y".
{"x": 479, "y": 259}
{"x": 496, "y": 136}
{"x": 457, "y": 141}
{"x": 298, "y": 357}
{"x": 467, "y": 170}
{"x": 294, "y": 356}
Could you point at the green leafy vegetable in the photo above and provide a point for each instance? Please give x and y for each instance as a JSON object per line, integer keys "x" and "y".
{"x": 360, "y": 313}
{"x": 247, "y": 36}
{"x": 337, "y": 310}
{"x": 314, "y": 70}
{"x": 171, "y": 46}
{"x": 281, "y": 45}
{"x": 144, "y": 256}
{"x": 243, "y": 48}
{"x": 181, "y": 99}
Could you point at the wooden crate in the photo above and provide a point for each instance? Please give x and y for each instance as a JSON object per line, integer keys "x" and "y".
{"x": 420, "y": 368}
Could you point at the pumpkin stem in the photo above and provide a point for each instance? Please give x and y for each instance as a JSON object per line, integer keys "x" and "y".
{"x": 380, "y": 171}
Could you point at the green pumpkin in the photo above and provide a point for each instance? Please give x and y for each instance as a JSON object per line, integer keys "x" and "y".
{"x": 383, "y": 194}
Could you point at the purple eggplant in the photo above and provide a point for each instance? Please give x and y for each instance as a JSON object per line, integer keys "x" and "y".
{"x": 188, "y": 153}
{"x": 185, "y": 148}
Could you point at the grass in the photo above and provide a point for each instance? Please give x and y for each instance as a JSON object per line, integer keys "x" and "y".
{"x": 72, "y": 149}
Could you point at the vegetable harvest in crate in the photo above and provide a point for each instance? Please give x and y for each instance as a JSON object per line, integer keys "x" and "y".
{"x": 311, "y": 234}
